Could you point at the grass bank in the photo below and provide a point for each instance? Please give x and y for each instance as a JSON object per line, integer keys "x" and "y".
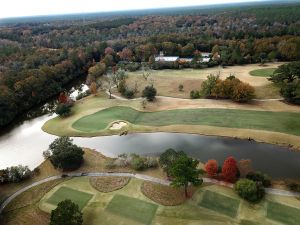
{"x": 284, "y": 122}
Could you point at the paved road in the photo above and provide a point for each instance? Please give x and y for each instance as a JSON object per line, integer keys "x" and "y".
{"x": 137, "y": 176}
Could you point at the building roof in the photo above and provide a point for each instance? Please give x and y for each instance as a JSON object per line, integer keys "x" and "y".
{"x": 167, "y": 58}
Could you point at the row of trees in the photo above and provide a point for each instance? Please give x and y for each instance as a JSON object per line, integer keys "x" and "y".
{"x": 15, "y": 174}
{"x": 248, "y": 183}
{"x": 230, "y": 88}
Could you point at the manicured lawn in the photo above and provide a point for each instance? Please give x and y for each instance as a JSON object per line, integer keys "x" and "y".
{"x": 284, "y": 122}
{"x": 283, "y": 213}
{"x": 262, "y": 72}
{"x": 63, "y": 193}
{"x": 132, "y": 208}
{"x": 220, "y": 203}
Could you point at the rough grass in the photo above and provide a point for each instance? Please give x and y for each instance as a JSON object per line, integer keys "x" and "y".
{"x": 108, "y": 184}
{"x": 283, "y": 213}
{"x": 262, "y": 72}
{"x": 132, "y": 208}
{"x": 220, "y": 203}
{"x": 284, "y": 122}
{"x": 165, "y": 195}
{"x": 78, "y": 197}
{"x": 23, "y": 209}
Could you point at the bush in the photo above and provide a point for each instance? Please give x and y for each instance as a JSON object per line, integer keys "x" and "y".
{"x": 65, "y": 155}
{"x": 110, "y": 164}
{"x": 180, "y": 87}
{"x": 149, "y": 93}
{"x": 259, "y": 177}
{"x": 249, "y": 190}
{"x": 63, "y": 110}
{"x": 132, "y": 67}
{"x": 195, "y": 94}
{"x": 151, "y": 162}
{"x": 129, "y": 93}
{"x": 138, "y": 163}
{"x": 293, "y": 186}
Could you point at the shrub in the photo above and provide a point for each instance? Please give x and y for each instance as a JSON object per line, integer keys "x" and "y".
{"x": 293, "y": 186}
{"x": 211, "y": 167}
{"x": 110, "y": 164}
{"x": 249, "y": 190}
{"x": 259, "y": 177}
{"x": 63, "y": 110}
{"x": 149, "y": 93}
{"x": 138, "y": 163}
{"x": 129, "y": 93}
{"x": 151, "y": 162}
{"x": 195, "y": 94}
{"x": 180, "y": 87}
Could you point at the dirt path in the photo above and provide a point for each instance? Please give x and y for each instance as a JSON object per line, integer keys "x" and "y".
{"x": 137, "y": 176}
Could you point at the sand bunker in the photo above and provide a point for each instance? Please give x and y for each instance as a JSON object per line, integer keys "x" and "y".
{"x": 118, "y": 125}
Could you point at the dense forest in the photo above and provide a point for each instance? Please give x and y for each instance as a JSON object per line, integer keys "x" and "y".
{"x": 37, "y": 59}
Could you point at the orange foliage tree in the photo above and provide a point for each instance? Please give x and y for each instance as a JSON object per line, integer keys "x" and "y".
{"x": 211, "y": 167}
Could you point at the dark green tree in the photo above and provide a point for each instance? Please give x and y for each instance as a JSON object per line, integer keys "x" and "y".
{"x": 66, "y": 213}
{"x": 149, "y": 93}
{"x": 65, "y": 155}
{"x": 63, "y": 110}
{"x": 184, "y": 171}
{"x": 167, "y": 159}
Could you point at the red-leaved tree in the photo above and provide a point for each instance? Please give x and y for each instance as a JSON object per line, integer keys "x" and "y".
{"x": 211, "y": 167}
{"x": 229, "y": 169}
{"x": 63, "y": 98}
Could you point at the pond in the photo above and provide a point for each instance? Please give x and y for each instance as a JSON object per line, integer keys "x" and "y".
{"x": 25, "y": 143}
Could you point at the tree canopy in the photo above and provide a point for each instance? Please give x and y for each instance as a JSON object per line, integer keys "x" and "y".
{"x": 66, "y": 213}
{"x": 65, "y": 155}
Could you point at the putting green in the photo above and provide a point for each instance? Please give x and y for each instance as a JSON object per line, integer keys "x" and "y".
{"x": 132, "y": 208}
{"x": 283, "y": 213}
{"x": 78, "y": 197}
{"x": 220, "y": 203}
{"x": 262, "y": 72}
{"x": 284, "y": 122}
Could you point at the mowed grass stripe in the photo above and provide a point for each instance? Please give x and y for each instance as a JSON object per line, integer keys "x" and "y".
{"x": 284, "y": 122}
{"x": 132, "y": 208}
{"x": 63, "y": 193}
{"x": 283, "y": 213}
{"x": 262, "y": 72}
{"x": 220, "y": 203}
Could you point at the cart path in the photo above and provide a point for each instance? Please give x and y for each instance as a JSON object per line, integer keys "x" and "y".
{"x": 137, "y": 176}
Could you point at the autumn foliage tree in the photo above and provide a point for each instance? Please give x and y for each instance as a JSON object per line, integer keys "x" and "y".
{"x": 211, "y": 167}
{"x": 62, "y": 98}
{"x": 93, "y": 88}
{"x": 230, "y": 169}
